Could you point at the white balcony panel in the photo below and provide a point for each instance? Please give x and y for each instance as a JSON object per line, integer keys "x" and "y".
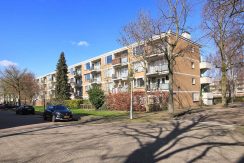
{"x": 207, "y": 95}
{"x": 205, "y": 80}
{"x": 205, "y": 65}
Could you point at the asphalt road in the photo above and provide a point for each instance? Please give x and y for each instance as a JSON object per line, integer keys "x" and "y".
{"x": 9, "y": 119}
{"x": 208, "y": 136}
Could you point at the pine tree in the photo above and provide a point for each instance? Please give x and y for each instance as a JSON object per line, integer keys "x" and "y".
{"x": 62, "y": 89}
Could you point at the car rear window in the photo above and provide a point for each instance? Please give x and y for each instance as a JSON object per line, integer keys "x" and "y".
{"x": 28, "y": 107}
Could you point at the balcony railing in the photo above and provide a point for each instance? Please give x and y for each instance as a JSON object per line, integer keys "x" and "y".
{"x": 158, "y": 70}
{"x": 205, "y": 65}
{"x": 96, "y": 68}
{"x": 119, "y": 77}
{"x": 96, "y": 81}
{"x": 205, "y": 80}
{"x": 77, "y": 74}
{"x": 119, "y": 61}
{"x": 156, "y": 87}
{"x": 207, "y": 95}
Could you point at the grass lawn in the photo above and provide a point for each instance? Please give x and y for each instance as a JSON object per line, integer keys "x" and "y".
{"x": 92, "y": 112}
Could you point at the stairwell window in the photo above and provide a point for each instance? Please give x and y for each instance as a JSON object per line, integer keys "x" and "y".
{"x": 87, "y": 77}
{"x": 192, "y": 65}
{"x": 193, "y": 81}
{"x": 109, "y": 59}
{"x": 88, "y": 66}
{"x": 195, "y": 96}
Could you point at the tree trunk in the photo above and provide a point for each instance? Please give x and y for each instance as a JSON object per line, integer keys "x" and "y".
{"x": 145, "y": 89}
{"x": 224, "y": 85}
{"x": 171, "y": 92}
{"x": 19, "y": 100}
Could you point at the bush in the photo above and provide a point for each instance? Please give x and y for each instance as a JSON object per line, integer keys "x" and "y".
{"x": 96, "y": 96}
{"x": 121, "y": 101}
{"x": 73, "y": 103}
{"x": 86, "y": 101}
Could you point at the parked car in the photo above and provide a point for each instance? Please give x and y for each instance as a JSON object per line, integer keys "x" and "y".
{"x": 8, "y": 106}
{"x": 57, "y": 112}
{"x": 25, "y": 109}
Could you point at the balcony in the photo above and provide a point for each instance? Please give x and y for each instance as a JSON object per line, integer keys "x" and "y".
{"x": 156, "y": 87}
{"x": 120, "y": 61}
{"x": 207, "y": 95}
{"x": 157, "y": 70}
{"x": 204, "y": 66}
{"x": 77, "y": 74}
{"x": 96, "y": 81}
{"x": 119, "y": 77}
{"x": 155, "y": 55}
{"x": 205, "y": 80}
{"x": 96, "y": 69}
{"x": 207, "y": 98}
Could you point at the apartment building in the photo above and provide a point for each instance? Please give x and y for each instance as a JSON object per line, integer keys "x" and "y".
{"x": 215, "y": 88}
{"x": 111, "y": 70}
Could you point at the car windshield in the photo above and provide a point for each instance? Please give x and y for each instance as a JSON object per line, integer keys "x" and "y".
{"x": 60, "y": 108}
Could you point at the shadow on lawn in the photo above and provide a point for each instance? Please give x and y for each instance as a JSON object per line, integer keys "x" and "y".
{"x": 161, "y": 147}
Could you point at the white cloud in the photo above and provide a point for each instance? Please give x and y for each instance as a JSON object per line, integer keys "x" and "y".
{"x": 82, "y": 43}
{"x": 6, "y": 63}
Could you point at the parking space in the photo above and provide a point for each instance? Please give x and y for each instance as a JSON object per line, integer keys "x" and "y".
{"x": 8, "y": 119}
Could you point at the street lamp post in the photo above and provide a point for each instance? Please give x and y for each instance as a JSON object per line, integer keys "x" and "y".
{"x": 44, "y": 101}
{"x": 131, "y": 95}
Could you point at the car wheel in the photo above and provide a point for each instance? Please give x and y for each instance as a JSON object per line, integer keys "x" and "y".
{"x": 16, "y": 112}
{"x": 33, "y": 112}
{"x": 53, "y": 118}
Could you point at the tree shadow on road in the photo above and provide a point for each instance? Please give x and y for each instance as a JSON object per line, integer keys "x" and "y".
{"x": 164, "y": 147}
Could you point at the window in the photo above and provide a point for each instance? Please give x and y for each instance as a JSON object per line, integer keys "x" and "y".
{"x": 109, "y": 59}
{"x": 193, "y": 81}
{"x": 163, "y": 80}
{"x": 167, "y": 77}
{"x": 192, "y": 65}
{"x": 139, "y": 50}
{"x": 87, "y": 77}
{"x": 88, "y": 66}
{"x": 192, "y": 49}
{"x": 195, "y": 97}
{"x": 139, "y": 82}
{"x": 138, "y": 66}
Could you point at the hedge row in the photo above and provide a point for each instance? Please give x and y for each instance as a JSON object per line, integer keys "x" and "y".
{"x": 121, "y": 101}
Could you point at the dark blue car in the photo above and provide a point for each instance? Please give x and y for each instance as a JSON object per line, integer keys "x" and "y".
{"x": 57, "y": 112}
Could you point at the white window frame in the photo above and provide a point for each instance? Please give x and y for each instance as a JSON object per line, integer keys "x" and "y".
{"x": 193, "y": 80}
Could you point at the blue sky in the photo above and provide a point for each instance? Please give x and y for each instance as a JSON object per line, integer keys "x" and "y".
{"x": 34, "y": 32}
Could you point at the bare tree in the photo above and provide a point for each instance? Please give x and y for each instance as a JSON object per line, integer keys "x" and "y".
{"x": 236, "y": 6}
{"x": 155, "y": 35}
{"x": 141, "y": 33}
{"x": 221, "y": 27}
{"x": 13, "y": 77}
{"x": 173, "y": 18}
{"x": 30, "y": 86}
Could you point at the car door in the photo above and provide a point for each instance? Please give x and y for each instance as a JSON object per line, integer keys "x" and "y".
{"x": 49, "y": 111}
